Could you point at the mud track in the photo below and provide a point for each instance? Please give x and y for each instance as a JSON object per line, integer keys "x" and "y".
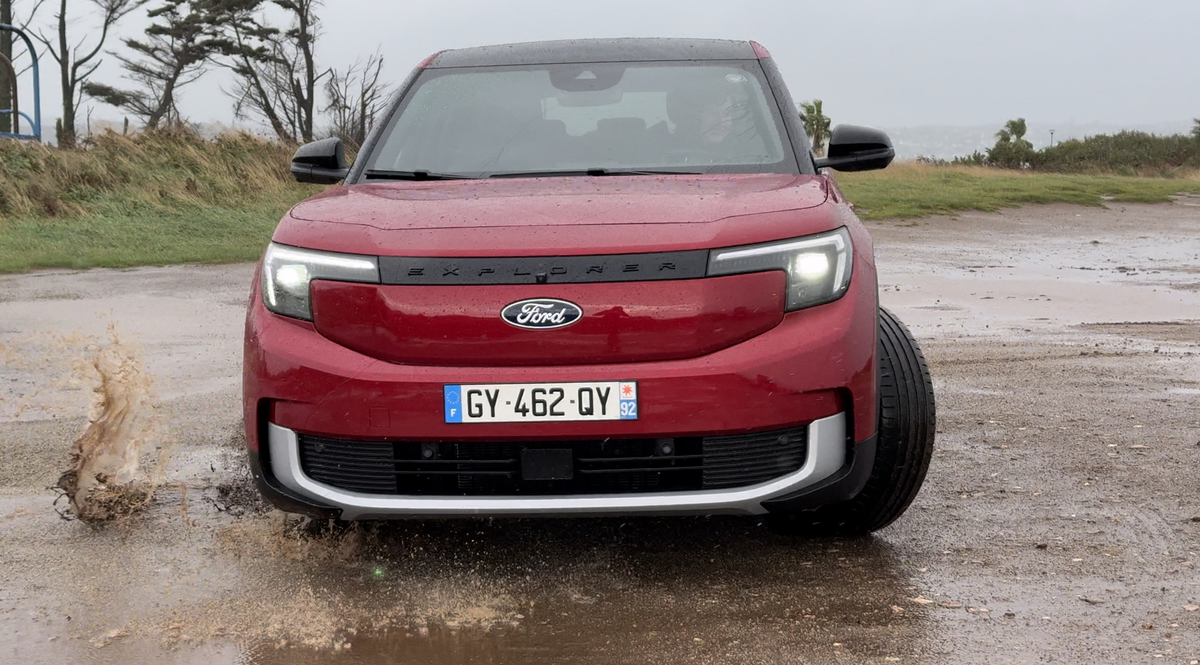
{"x": 1060, "y": 521}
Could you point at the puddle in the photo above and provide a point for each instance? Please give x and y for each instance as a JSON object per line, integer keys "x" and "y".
{"x": 518, "y": 591}
{"x": 487, "y": 591}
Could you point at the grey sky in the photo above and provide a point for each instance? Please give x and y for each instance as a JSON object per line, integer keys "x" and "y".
{"x": 873, "y": 62}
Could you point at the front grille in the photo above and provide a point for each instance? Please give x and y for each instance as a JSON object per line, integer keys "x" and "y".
{"x": 613, "y": 466}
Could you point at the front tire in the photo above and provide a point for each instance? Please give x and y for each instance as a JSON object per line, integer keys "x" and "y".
{"x": 907, "y": 425}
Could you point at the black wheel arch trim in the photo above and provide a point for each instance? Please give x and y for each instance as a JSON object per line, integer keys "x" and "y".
{"x": 843, "y": 485}
{"x": 281, "y": 497}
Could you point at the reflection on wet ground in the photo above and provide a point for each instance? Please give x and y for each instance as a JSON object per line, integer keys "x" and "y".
{"x": 188, "y": 583}
{"x": 613, "y": 591}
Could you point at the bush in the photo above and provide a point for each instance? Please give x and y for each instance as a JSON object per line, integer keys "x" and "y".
{"x": 1012, "y": 155}
{"x": 974, "y": 159}
{"x": 1126, "y": 153}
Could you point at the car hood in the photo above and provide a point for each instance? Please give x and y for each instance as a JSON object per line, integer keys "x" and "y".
{"x": 539, "y": 216}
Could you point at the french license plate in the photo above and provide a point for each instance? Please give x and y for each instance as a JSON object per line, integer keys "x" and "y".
{"x": 541, "y": 402}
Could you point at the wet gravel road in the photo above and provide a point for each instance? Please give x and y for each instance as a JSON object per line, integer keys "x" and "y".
{"x": 1060, "y": 521}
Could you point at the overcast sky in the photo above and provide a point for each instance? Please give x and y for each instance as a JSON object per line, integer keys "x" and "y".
{"x": 873, "y": 62}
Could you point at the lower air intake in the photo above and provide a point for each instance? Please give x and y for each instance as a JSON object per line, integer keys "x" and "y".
{"x": 614, "y": 466}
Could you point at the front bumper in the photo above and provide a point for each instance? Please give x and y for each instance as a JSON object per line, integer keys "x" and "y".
{"x": 831, "y": 471}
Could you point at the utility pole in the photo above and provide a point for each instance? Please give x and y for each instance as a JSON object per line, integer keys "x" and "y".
{"x": 8, "y": 122}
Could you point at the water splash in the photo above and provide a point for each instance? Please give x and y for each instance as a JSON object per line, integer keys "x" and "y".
{"x": 106, "y": 478}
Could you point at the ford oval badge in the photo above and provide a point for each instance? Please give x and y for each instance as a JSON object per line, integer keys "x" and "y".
{"x": 541, "y": 314}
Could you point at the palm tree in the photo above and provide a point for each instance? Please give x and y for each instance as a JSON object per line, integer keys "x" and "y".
{"x": 1014, "y": 131}
{"x": 1015, "y": 128}
{"x": 1011, "y": 151}
{"x": 816, "y": 125}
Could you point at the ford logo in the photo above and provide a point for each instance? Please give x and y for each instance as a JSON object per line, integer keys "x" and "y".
{"x": 541, "y": 314}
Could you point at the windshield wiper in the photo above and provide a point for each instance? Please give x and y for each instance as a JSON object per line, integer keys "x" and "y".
{"x": 378, "y": 174}
{"x": 589, "y": 172}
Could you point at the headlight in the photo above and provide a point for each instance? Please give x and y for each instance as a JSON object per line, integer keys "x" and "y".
{"x": 288, "y": 271}
{"x": 818, "y": 267}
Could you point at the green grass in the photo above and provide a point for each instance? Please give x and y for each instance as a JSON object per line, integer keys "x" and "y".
{"x": 908, "y": 190}
{"x": 206, "y": 235}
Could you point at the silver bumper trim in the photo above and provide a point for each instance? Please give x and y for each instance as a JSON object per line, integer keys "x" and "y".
{"x": 826, "y": 454}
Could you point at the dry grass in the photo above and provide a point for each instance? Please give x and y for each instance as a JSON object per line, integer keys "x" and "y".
{"x": 141, "y": 172}
{"x": 150, "y": 198}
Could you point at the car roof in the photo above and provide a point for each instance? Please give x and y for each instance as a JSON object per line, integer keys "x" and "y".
{"x": 632, "y": 49}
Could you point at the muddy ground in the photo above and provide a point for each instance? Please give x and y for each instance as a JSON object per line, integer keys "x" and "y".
{"x": 1060, "y": 521}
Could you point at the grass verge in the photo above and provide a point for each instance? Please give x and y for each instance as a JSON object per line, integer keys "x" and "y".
{"x": 907, "y": 190}
{"x": 199, "y": 235}
{"x": 148, "y": 199}
{"x": 157, "y": 199}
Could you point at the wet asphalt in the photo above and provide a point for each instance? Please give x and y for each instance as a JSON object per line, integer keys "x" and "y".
{"x": 1060, "y": 521}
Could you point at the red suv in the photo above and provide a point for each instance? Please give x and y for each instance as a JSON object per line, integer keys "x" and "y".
{"x": 585, "y": 278}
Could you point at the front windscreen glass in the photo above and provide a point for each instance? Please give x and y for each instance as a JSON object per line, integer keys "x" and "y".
{"x": 689, "y": 117}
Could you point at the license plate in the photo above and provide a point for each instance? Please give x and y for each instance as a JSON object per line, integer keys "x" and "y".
{"x": 541, "y": 402}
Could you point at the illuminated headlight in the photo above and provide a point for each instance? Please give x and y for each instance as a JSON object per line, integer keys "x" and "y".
{"x": 818, "y": 267}
{"x": 288, "y": 271}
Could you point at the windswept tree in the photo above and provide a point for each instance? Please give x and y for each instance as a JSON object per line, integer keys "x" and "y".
{"x": 355, "y": 98}
{"x": 174, "y": 54}
{"x": 1196, "y": 130}
{"x": 1011, "y": 151}
{"x": 77, "y": 63}
{"x": 276, "y": 71}
{"x": 816, "y": 125}
{"x": 1014, "y": 132}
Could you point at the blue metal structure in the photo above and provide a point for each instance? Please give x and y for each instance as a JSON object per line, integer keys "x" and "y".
{"x": 35, "y": 122}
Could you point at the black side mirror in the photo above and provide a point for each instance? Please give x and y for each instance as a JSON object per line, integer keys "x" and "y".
{"x": 321, "y": 162}
{"x": 854, "y": 148}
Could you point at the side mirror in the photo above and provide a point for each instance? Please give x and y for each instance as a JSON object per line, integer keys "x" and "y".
{"x": 321, "y": 162}
{"x": 853, "y": 148}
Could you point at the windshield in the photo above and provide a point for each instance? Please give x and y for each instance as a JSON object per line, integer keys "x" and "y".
{"x": 685, "y": 117}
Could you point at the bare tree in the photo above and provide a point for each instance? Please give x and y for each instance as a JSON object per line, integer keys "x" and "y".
{"x": 276, "y": 70}
{"x": 77, "y": 63}
{"x": 302, "y": 35}
{"x": 174, "y": 55}
{"x": 355, "y": 98}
